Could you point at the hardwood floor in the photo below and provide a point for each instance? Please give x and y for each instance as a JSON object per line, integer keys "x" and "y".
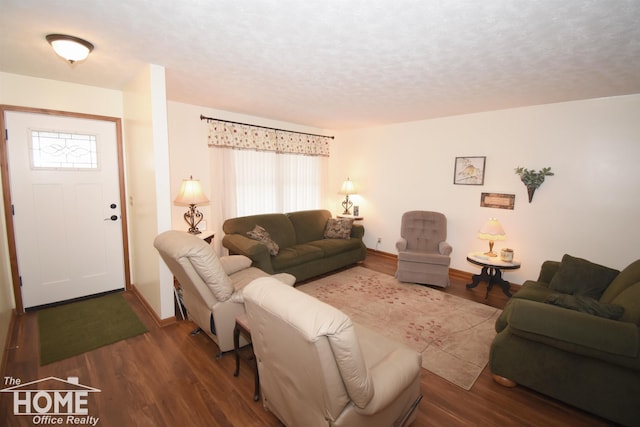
{"x": 167, "y": 377}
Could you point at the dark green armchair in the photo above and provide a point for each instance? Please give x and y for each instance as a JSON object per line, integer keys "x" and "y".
{"x": 574, "y": 334}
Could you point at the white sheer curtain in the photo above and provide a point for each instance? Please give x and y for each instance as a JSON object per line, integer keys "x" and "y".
{"x": 265, "y": 170}
{"x": 254, "y": 182}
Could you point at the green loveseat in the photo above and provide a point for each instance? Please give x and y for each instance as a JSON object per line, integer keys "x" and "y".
{"x": 301, "y": 248}
{"x": 574, "y": 334}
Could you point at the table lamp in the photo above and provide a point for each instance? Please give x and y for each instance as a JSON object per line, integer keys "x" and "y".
{"x": 491, "y": 231}
{"x": 347, "y": 189}
{"x": 191, "y": 195}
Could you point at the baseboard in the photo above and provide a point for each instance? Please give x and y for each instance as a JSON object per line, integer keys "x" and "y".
{"x": 158, "y": 321}
{"x": 459, "y": 274}
{"x": 382, "y": 254}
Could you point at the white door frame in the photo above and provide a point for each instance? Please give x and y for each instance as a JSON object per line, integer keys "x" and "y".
{"x": 6, "y": 191}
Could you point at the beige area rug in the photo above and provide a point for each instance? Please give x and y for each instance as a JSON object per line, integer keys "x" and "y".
{"x": 453, "y": 334}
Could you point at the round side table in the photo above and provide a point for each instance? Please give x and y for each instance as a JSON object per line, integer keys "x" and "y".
{"x": 491, "y": 271}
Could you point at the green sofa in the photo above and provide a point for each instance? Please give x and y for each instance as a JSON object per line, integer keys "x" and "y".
{"x": 303, "y": 245}
{"x": 574, "y": 334}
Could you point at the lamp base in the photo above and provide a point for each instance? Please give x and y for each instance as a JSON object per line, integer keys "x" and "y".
{"x": 491, "y": 253}
{"x": 193, "y": 218}
{"x": 347, "y": 205}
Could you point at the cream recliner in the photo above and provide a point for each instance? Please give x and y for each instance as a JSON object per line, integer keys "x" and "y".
{"x": 317, "y": 368}
{"x": 211, "y": 286}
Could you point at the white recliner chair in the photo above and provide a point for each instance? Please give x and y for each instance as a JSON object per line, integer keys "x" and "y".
{"x": 317, "y": 368}
{"x": 211, "y": 286}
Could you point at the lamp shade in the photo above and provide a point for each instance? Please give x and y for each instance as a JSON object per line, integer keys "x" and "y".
{"x": 191, "y": 193}
{"x": 492, "y": 230}
{"x": 347, "y": 188}
{"x": 70, "y": 48}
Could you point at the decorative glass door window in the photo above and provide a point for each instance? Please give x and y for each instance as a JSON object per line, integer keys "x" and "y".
{"x": 63, "y": 150}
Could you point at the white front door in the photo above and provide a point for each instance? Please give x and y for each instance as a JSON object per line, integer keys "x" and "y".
{"x": 65, "y": 195}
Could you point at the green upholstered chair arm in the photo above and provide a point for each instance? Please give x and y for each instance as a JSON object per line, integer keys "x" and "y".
{"x": 241, "y": 245}
{"x": 357, "y": 231}
{"x": 573, "y": 327}
{"x": 548, "y": 270}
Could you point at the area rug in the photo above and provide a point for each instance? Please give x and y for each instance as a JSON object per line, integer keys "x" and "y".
{"x": 75, "y": 328}
{"x": 453, "y": 334}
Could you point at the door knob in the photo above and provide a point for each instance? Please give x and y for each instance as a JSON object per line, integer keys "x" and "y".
{"x": 112, "y": 218}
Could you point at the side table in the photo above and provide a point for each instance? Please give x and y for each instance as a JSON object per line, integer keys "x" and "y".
{"x": 353, "y": 217}
{"x": 242, "y": 327}
{"x": 491, "y": 271}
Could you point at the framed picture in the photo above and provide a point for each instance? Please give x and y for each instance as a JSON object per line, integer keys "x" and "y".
{"x": 497, "y": 200}
{"x": 469, "y": 171}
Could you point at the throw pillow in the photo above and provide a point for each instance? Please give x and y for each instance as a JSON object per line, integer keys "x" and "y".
{"x": 586, "y": 305}
{"x": 577, "y": 276}
{"x": 261, "y": 235}
{"x": 338, "y": 228}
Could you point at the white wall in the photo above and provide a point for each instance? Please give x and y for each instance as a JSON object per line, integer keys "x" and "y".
{"x": 147, "y": 152}
{"x": 588, "y": 209}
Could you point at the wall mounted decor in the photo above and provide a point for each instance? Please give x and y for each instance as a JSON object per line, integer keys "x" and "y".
{"x": 496, "y": 200}
{"x": 469, "y": 170}
{"x": 532, "y": 179}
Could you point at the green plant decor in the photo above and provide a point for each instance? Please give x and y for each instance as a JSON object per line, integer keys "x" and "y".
{"x": 532, "y": 179}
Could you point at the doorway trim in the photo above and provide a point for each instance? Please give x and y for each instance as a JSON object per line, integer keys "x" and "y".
{"x": 6, "y": 191}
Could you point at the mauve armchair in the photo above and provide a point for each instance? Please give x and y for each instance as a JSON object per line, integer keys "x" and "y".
{"x": 423, "y": 253}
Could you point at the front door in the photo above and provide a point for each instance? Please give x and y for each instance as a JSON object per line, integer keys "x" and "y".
{"x": 65, "y": 196}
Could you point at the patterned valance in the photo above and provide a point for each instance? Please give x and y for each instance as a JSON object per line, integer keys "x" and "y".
{"x": 247, "y": 137}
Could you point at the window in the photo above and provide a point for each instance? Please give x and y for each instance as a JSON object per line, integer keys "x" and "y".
{"x": 266, "y": 170}
{"x": 267, "y": 182}
{"x": 61, "y": 150}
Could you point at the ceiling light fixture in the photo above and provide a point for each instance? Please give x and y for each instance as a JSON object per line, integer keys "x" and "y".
{"x": 70, "y": 48}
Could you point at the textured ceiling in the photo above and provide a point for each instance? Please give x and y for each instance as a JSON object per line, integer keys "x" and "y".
{"x": 340, "y": 63}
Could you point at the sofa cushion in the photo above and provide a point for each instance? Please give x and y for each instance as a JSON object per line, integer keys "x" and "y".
{"x": 278, "y": 225}
{"x": 534, "y": 291}
{"x": 295, "y": 255}
{"x": 338, "y": 228}
{"x": 586, "y": 305}
{"x": 309, "y": 225}
{"x": 261, "y": 235}
{"x": 424, "y": 257}
{"x": 577, "y": 276}
{"x": 336, "y": 246}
